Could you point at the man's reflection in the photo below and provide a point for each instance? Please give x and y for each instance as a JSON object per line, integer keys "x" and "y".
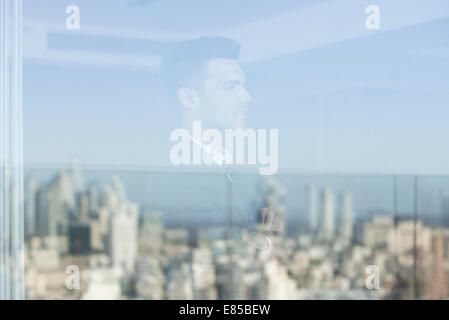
{"x": 207, "y": 81}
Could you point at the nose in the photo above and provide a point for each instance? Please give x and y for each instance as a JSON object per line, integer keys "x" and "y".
{"x": 246, "y": 97}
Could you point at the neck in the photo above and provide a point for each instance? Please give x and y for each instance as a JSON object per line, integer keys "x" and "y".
{"x": 189, "y": 117}
{"x": 193, "y": 115}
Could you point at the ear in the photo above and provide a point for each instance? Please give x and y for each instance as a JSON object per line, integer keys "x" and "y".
{"x": 189, "y": 98}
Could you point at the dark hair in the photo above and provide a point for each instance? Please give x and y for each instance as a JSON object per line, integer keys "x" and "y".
{"x": 186, "y": 61}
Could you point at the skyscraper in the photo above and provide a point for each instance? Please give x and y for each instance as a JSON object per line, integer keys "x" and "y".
{"x": 444, "y": 209}
{"x": 77, "y": 177}
{"x": 123, "y": 227}
{"x": 79, "y": 238}
{"x": 93, "y": 200}
{"x": 203, "y": 274}
{"x": 346, "y": 216}
{"x": 124, "y": 238}
{"x": 312, "y": 208}
{"x": 151, "y": 232}
{"x": 439, "y": 284}
{"x": 55, "y": 205}
{"x": 327, "y": 228}
{"x": 82, "y": 204}
{"x": 31, "y": 192}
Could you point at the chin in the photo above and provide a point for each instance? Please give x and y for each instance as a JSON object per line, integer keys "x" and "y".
{"x": 239, "y": 124}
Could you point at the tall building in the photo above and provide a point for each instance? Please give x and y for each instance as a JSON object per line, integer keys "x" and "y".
{"x": 230, "y": 282}
{"x": 179, "y": 283}
{"x": 82, "y": 206}
{"x": 403, "y": 241}
{"x": 327, "y": 228}
{"x": 203, "y": 272}
{"x": 124, "y": 238}
{"x": 444, "y": 221}
{"x": 55, "y": 205}
{"x": 150, "y": 278}
{"x": 96, "y": 236}
{"x": 312, "y": 208}
{"x": 346, "y": 224}
{"x": 150, "y": 233}
{"x": 77, "y": 177}
{"x": 380, "y": 233}
{"x": 93, "y": 200}
{"x": 280, "y": 286}
{"x": 79, "y": 238}
{"x": 100, "y": 224}
{"x": 439, "y": 284}
{"x": 123, "y": 228}
{"x": 31, "y": 193}
{"x": 119, "y": 189}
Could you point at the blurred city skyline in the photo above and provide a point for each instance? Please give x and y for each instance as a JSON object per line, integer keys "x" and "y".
{"x": 125, "y": 251}
{"x": 199, "y": 193}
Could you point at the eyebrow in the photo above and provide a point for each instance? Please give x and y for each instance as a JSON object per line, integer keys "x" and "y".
{"x": 228, "y": 82}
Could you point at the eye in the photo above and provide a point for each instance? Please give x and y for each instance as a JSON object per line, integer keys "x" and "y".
{"x": 231, "y": 85}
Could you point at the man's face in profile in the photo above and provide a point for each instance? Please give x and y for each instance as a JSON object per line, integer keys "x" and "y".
{"x": 225, "y": 99}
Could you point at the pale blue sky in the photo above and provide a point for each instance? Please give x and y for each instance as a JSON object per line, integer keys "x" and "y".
{"x": 350, "y": 100}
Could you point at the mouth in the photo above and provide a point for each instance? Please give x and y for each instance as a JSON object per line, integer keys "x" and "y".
{"x": 242, "y": 113}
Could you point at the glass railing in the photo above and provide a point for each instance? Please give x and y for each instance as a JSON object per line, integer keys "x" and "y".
{"x": 159, "y": 234}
